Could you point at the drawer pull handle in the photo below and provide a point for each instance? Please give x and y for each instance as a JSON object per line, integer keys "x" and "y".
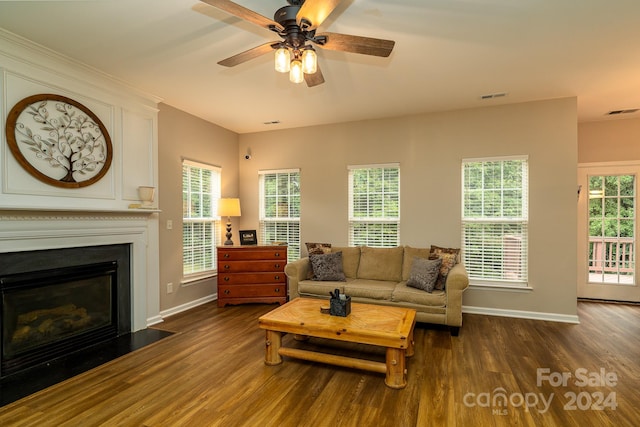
{"x": 277, "y": 277}
{"x": 227, "y": 266}
{"x": 226, "y": 255}
{"x": 226, "y": 279}
{"x": 277, "y": 289}
{"x": 277, "y": 265}
{"x": 277, "y": 254}
{"x": 227, "y": 291}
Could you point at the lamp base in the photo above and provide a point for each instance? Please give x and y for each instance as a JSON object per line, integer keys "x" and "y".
{"x": 229, "y": 242}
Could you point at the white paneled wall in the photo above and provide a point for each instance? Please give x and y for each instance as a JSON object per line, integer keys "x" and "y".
{"x": 130, "y": 119}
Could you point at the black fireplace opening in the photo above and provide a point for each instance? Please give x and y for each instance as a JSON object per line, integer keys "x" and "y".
{"x": 56, "y": 302}
{"x": 50, "y": 313}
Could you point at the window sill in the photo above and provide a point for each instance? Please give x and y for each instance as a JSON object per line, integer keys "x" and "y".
{"x": 194, "y": 279}
{"x": 504, "y": 287}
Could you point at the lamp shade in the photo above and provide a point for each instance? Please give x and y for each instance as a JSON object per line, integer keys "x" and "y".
{"x": 283, "y": 58}
{"x": 229, "y": 207}
{"x": 309, "y": 61}
{"x": 295, "y": 74}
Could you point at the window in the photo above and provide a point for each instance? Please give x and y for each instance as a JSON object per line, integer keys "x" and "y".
{"x": 374, "y": 205}
{"x": 495, "y": 219}
{"x": 611, "y": 229}
{"x": 200, "y": 225}
{"x": 280, "y": 209}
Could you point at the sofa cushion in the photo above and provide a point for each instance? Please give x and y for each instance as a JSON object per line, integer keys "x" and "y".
{"x": 350, "y": 259}
{"x": 373, "y": 289}
{"x": 450, "y": 257}
{"x": 407, "y": 260}
{"x": 321, "y": 289}
{"x": 381, "y": 263}
{"x": 405, "y": 294}
{"x": 327, "y": 266}
{"x": 424, "y": 273}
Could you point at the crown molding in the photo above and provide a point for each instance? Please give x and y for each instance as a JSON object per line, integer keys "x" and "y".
{"x": 36, "y": 55}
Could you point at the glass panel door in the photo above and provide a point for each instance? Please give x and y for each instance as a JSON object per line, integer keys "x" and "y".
{"x": 607, "y": 230}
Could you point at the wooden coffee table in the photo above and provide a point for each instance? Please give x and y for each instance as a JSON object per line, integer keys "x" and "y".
{"x": 389, "y": 327}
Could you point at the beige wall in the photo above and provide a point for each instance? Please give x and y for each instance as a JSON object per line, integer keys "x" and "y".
{"x": 181, "y": 135}
{"x": 608, "y": 141}
{"x": 429, "y": 149}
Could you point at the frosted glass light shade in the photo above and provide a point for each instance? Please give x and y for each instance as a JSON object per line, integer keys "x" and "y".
{"x": 309, "y": 61}
{"x": 283, "y": 58}
{"x": 295, "y": 74}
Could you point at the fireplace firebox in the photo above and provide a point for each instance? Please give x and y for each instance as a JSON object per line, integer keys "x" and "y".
{"x": 77, "y": 300}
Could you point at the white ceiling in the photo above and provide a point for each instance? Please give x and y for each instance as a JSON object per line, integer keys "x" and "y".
{"x": 448, "y": 54}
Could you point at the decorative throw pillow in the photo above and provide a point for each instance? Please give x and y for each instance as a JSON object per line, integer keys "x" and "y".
{"x": 327, "y": 267}
{"x": 450, "y": 257}
{"x": 316, "y": 249}
{"x": 424, "y": 273}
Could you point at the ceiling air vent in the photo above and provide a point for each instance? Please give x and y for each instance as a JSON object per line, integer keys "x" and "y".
{"x": 271, "y": 122}
{"x": 494, "y": 95}
{"x": 628, "y": 111}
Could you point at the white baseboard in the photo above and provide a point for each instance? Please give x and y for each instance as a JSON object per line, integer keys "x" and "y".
{"x": 191, "y": 304}
{"x": 551, "y": 317}
{"x": 154, "y": 320}
{"x": 487, "y": 311}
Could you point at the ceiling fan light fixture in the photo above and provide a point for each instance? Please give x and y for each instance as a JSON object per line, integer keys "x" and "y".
{"x": 309, "y": 61}
{"x": 296, "y": 25}
{"x": 283, "y": 59}
{"x": 295, "y": 74}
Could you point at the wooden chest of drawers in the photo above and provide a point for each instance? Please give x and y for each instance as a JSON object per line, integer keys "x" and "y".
{"x": 251, "y": 274}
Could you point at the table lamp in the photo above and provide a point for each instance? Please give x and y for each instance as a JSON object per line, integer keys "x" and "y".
{"x": 228, "y": 207}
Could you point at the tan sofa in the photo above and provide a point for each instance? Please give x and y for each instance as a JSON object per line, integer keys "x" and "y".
{"x": 379, "y": 276}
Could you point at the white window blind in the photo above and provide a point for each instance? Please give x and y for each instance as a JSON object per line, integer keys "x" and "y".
{"x": 280, "y": 209}
{"x": 374, "y": 205}
{"x": 495, "y": 219}
{"x": 200, "y": 223}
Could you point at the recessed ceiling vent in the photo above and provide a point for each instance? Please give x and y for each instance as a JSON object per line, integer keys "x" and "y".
{"x": 493, "y": 95}
{"x": 628, "y": 111}
{"x": 271, "y": 122}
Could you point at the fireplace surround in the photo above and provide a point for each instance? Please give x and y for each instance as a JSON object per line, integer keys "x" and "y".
{"x": 41, "y": 230}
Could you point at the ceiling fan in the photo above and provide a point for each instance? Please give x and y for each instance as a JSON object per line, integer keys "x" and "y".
{"x": 296, "y": 24}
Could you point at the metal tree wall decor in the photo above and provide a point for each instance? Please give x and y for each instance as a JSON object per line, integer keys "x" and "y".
{"x": 59, "y": 141}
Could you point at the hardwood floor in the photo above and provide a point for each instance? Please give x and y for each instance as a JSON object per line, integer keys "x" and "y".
{"x": 211, "y": 373}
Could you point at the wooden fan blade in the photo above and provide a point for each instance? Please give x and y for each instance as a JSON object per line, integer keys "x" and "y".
{"x": 248, "y": 54}
{"x": 315, "y": 12}
{"x": 314, "y": 79}
{"x": 356, "y": 44}
{"x": 244, "y": 13}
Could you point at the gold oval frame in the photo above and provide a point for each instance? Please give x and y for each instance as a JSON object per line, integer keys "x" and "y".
{"x": 43, "y": 141}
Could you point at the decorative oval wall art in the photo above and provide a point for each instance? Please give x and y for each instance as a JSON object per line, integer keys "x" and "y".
{"x": 59, "y": 141}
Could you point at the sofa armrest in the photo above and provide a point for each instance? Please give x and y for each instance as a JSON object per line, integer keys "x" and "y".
{"x": 457, "y": 282}
{"x": 296, "y": 271}
{"x": 457, "y": 278}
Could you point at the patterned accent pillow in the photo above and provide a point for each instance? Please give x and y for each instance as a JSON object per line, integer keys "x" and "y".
{"x": 327, "y": 267}
{"x": 450, "y": 257}
{"x": 424, "y": 273}
{"x": 316, "y": 249}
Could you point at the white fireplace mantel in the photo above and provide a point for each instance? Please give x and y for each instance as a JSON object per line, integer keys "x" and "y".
{"x": 38, "y": 230}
